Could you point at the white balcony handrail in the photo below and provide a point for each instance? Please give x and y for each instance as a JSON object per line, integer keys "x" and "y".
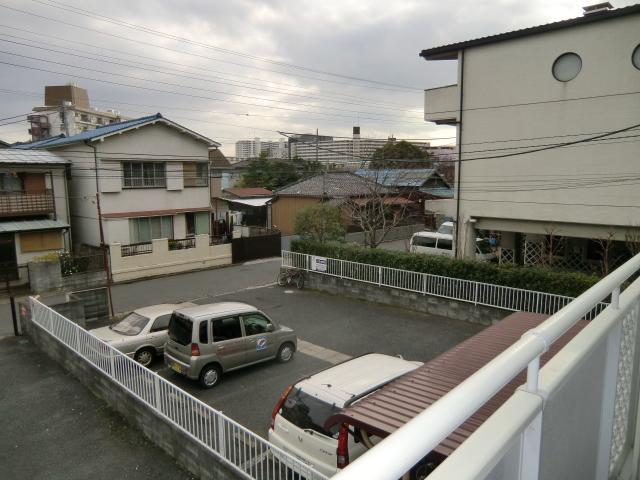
{"x": 410, "y": 443}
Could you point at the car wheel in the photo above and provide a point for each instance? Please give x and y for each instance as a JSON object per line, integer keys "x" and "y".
{"x": 210, "y": 376}
{"x": 285, "y": 353}
{"x": 144, "y": 357}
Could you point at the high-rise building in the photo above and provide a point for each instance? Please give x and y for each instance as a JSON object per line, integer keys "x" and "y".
{"x": 253, "y": 148}
{"x": 67, "y": 111}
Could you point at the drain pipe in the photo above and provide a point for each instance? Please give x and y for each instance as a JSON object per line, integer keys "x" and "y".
{"x": 458, "y": 223}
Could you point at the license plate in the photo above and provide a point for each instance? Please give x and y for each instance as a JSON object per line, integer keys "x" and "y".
{"x": 176, "y": 367}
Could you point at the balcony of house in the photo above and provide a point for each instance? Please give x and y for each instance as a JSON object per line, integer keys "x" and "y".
{"x": 442, "y": 105}
{"x": 19, "y": 203}
{"x": 166, "y": 256}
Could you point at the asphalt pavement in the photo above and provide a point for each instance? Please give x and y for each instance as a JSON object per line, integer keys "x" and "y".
{"x": 54, "y": 428}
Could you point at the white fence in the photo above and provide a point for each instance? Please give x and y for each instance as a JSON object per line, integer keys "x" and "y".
{"x": 478, "y": 293}
{"x": 576, "y": 418}
{"x": 244, "y": 451}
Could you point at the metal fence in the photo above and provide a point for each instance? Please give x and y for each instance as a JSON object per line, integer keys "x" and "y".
{"x": 244, "y": 451}
{"x": 136, "y": 249}
{"x": 181, "y": 243}
{"x": 478, "y": 293}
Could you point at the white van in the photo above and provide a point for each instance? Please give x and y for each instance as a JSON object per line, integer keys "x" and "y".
{"x": 297, "y": 420}
{"x": 436, "y": 243}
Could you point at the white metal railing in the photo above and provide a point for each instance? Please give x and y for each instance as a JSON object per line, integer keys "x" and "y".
{"x": 589, "y": 391}
{"x": 478, "y": 293}
{"x": 241, "y": 449}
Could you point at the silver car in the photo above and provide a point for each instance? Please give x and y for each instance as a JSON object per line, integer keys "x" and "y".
{"x": 141, "y": 334}
{"x": 207, "y": 340}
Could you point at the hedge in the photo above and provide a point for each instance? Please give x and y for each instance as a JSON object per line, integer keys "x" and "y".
{"x": 539, "y": 279}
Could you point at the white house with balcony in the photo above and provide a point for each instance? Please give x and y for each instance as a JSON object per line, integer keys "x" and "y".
{"x": 547, "y": 125}
{"x": 142, "y": 188}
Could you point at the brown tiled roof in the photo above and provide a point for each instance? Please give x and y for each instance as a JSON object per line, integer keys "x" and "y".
{"x": 393, "y": 405}
{"x": 218, "y": 160}
{"x": 332, "y": 185}
{"x": 248, "y": 192}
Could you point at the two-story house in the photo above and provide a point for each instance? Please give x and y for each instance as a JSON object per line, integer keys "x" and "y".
{"x": 34, "y": 213}
{"x": 142, "y": 188}
{"x": 547, "y": 122}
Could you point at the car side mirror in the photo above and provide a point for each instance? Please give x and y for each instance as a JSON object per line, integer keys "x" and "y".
{"x": 270, "y": 327}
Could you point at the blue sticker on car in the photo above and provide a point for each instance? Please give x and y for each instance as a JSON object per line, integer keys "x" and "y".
{"x": 261, "y": 343}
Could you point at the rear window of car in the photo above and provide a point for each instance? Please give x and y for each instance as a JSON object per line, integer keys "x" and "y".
{"x": 307, "y": 412}
{"x": 180, "y": 329}
{"x": 423, "y": 241}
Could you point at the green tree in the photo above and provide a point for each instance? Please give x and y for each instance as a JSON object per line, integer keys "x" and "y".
{"x": 270, "y": 174}
{"x": 320, "y": 222}
{"x": 384, "y": 157}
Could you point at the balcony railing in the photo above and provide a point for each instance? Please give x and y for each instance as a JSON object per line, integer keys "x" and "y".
{"x": 24, "y": 203}
{"x": 182, "y": 243}
{"x": 136, "y": 249}
{"x": 442, "y": 105}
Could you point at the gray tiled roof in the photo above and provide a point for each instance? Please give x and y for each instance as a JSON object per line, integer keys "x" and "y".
{"x": 343, "y": 184}
{"x": 398, "y": 177}
{"x": 33, "y": 157}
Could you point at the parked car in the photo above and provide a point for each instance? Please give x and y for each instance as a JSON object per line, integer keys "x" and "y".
{"x": 298, "y": 418}
{"x": 209, "y": 340}
{"x": 141, "y": 334}
{"x": 438, "y": 243}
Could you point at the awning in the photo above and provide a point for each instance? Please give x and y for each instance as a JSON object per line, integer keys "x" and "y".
{"x": 31, "y": 225}
{"x": 251, "y": 202}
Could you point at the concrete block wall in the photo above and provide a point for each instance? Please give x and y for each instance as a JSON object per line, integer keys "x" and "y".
{"x": 187, "y": 451}
{"x": 430, "y": 304}
{"x": 162, "y": 261}
{"x": 47, "y": 276}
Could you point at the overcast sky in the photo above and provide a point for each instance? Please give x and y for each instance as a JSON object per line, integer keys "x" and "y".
{"x": 240, "y": 69}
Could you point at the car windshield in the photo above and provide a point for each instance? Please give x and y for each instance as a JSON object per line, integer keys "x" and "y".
{"x": 180, "y": 329}
{"x": 446, "y": 228}
{"x": 307, "y": 412}
{"x": 132, "y": 324}
{"x": 419, "y": 241}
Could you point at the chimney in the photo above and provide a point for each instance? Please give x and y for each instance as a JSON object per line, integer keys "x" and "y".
{"x": 598, "y": 7}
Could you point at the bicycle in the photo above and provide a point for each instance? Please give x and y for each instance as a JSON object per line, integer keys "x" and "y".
{"x": 290, "y": 276}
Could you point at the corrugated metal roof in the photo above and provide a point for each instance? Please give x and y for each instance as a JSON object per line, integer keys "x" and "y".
{"x": 444, "y": 192}
{"x": 390, "y": 407}
{"x": 29, "y": 225}
{"x": 397, "y": 177}
{"x": 343, "y": 184}
{"x": 107, "y": 130}
{"x": 36, "y": 157}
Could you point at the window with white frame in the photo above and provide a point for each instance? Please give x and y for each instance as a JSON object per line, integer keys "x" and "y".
{"x": 195, "y": 174}
{"x": 144, "y": 174}
{"x": 145, "y": 229}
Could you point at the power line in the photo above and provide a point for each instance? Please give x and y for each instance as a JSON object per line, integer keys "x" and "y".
{"x": 161, "y": 82}
{"x": 122, "y": 37}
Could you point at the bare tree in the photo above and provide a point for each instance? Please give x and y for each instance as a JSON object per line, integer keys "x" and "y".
{"x": 632, "y": 240}
{"x": 551, "y": 246}
{"x": 606, "y": 245}
{"x": 378, "y": 210}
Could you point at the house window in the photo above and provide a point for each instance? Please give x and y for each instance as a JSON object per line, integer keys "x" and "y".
{"x": 144, "y": 174}
{"x": 635, "y": 57}
{"x": 567, "y": 67}
{"x": 40, "y": 241}
{"x": 195, "y": 174}
{"x": 10, "y": 182}
{"x": 145, "y": 229}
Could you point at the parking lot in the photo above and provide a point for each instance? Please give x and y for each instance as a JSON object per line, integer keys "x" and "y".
{"x": 331, "y": 329}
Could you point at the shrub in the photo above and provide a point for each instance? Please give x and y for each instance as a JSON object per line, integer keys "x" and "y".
{"x": 529, "y": 278}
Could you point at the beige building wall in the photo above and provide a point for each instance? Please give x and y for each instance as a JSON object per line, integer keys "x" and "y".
{"x": 584, "y": 190}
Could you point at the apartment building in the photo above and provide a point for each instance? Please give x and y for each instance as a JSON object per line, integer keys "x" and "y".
{"x": 67, "y": 111}
{"x": 546, "y": 119}
{"x": 34, "y": 212}
{"x": 246, "y": 149}
{"x": 142, "y": 188}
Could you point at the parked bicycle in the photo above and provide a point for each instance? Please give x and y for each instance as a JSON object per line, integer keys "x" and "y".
{"x": 288, "y": 276}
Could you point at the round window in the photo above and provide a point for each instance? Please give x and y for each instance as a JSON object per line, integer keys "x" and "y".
{"x": 567, "y": 67}
{"x": 635, "y": 57}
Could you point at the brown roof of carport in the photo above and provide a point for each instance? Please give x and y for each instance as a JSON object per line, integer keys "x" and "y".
{"x": 390, "y": 407}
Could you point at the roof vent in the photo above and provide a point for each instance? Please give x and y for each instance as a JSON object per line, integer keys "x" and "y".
{"x": 598, "y": 7}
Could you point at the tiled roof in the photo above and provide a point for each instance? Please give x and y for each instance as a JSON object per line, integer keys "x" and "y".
{"x": 443, "y": 192}
{"x": 30, "y": 225}
{"x": 450, "y": 51}
{"x": 108, "y": 130}
{"x": 218, "y": 160}
{"x": 36, "y": 157}
{"x": 249, "y": 192}
{"x": 398, "y": 177}
{"x": 343, "y": 184}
